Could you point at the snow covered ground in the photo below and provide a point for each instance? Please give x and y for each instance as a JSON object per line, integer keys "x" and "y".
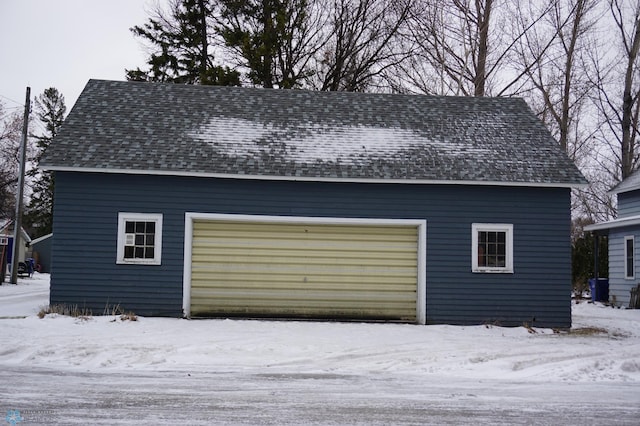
{"x": 105, "y": 370}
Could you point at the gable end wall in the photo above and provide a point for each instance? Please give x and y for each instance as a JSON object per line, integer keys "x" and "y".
{"x": 628, "y": 204}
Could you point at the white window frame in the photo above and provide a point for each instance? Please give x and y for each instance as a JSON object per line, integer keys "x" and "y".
{"x": 122, "y": 237}
{"x": 507, "y": 228}
{"x": 633, "y": 257}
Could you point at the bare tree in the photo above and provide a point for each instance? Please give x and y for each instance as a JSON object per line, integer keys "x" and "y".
{"x": 562, "y": 80}
{"x": 10, "y": 131}
{"x": 362, "y": 43}
{"x": 630, "y": 105}
{"x": 618, "y": 91}
{"x": 466, "y": 47}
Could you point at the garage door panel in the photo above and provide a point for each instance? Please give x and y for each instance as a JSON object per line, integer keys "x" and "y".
{"x": 283, "y": 267}
{"x": 276, "y": 229}
{"x": 306, "y": 295}
{"x": 278, "y": 307}
{"x": 269, "y": 261}
{"x": 300, "y": 270}
{"x": 224, "y": 278}
{"x": 388, "y": 252}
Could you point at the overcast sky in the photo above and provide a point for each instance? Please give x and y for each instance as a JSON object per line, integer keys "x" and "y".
{"x": 64, "y": 43}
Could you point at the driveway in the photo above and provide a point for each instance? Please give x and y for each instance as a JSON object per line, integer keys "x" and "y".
{"x": 55, "y": 397}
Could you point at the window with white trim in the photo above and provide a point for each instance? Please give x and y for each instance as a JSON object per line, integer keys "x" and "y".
{"x": 492, "y": 247}
{"x": 629, "y": 257}
{"x": 139, "y": 238}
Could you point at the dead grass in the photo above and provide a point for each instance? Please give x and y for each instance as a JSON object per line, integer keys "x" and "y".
{"x": 128, "y": 316}
{"x": 587, "y": 331}
{"x": 73, "y": 311}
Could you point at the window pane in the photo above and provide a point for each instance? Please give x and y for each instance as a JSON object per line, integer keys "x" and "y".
{"x": 128, "y": 252}
{"x": 139, "y": 252}
{"x": 491, "y": 249}
{"x": 150, "y": 227}
{"x": 630, "y": 270}
{"x": 149, "y": 239}
{"x": 149, "y": 253}
{"x": 140, "y": 227}
{"x": 139, "y": 239}
{"x": 129, "y": 227}
{"x": 482, "y": 248}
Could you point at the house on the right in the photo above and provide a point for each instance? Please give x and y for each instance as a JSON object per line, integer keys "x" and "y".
{"x": 623, "y": 236}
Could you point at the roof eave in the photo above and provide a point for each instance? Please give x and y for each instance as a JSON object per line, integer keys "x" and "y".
{"x": 616, "y": 223}
{"x": 314, "y": 178}
{"x": 615, "y": 190}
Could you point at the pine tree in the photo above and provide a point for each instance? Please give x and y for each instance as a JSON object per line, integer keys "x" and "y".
{"x": 50, "y": 110}
{"x": 180, "y": 40}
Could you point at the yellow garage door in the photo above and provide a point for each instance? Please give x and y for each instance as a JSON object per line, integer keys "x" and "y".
{"x": 258, "y": 269}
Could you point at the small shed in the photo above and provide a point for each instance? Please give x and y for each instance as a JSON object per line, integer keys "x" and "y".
{"x": 205, "y": 201}
{"x": 41, "y": 252}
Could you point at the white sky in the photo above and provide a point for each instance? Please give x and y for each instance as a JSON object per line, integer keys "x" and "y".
{"x": 64, "y": 43}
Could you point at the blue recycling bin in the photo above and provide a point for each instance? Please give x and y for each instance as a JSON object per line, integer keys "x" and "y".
{"x": 599, "y": 289}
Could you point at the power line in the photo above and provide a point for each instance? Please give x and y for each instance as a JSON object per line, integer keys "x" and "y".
{"x": 14, "y": 101}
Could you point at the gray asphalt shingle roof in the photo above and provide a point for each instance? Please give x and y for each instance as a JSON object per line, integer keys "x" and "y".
{"x": 207, "y": 130}
{"x": 631, "y": 183}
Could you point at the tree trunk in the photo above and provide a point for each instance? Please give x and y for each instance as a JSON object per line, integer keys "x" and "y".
{"x": 627, "y": 105}
{"x": 204, "y": 43}
{"x": 484, "y": 17}
{"x": 267, "y": 39}
{"x": 566, "y": 95}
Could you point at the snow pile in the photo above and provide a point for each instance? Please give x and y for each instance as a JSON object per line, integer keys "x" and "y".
{"x": 603, "y": 345}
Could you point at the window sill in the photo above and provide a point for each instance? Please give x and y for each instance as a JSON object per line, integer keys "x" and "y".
{"x": 138, "y": 262}
{"x": 492, "y": 271}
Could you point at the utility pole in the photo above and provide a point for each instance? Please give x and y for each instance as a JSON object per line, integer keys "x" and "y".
{"x": 17, "y": 223}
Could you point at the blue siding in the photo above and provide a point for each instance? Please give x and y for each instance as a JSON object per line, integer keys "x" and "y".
{"x": 628, "y": 204}
{"x": 538, "y": 292}
{"x": 619, "y": 286}
{"x": 43, "y": 251}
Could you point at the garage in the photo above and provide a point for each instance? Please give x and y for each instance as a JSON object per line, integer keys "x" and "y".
{"x": 292, "y": 267}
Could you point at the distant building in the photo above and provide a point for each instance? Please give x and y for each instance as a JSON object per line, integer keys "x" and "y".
{"x": 6, "y": 242}
{"x": 623, "y": 237}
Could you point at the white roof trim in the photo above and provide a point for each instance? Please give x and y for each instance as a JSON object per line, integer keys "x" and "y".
{"x": 6, "y": 226}
{"x": 311, "y": 178}
{"x": 617, "y": 190}
{"x": 44, "y": 237}
{"x": 617, "y": 223}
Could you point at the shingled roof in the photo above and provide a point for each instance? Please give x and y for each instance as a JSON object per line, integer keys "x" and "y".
{"x": 155, "y": 128}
